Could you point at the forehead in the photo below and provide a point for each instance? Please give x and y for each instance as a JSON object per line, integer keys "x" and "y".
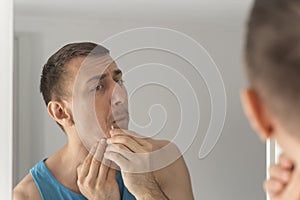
{"x": 88, "y": 66}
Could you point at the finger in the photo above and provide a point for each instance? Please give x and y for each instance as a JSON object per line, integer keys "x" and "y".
{"x": 121, "y": 146}
{"x": 97, "y": 158}
{"x": 120, "y": 149}
{"x": 285, "y": 162}
{"x": 118, "y": 131}
{"x": 273, "y": 187}
{"x": 282, "y": 175}
{"x": 138, "y": 138}
{"x": 103, "y": 170}
{"x": 118, "y": 159}
{"x": 141, "y": 140}
{"x": 114, "y": 166}
{"x": 127, "y": 141}
{"x": 83, "y": 170}
{"x": 112, "y": 173}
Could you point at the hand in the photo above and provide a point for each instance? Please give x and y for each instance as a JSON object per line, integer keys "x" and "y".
{"x": 96, "y": 180}
{"x": 284, "y": 182}
{"x": 132, "y": 154}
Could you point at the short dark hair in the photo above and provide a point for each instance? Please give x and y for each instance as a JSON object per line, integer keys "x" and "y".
{"x": 54, "y": 74}
{"x": 272, "y": 53}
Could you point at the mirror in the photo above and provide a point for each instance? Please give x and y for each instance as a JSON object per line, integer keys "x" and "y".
{"x": 233, "y": 163}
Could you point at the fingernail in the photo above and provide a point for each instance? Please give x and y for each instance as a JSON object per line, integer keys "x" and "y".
{"x": 102, "y": 141}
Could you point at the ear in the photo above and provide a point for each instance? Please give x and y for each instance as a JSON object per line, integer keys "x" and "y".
{"x": 59, "y": 112}
{"x": 257, "y": 114}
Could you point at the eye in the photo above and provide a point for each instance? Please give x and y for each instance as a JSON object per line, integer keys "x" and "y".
{"x": 99, "y": 87}
{"x": 120, "y": 82}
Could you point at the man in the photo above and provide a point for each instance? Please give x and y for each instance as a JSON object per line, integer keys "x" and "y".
{"x": 272, "y": 100}
{"x": 80, "y": 171}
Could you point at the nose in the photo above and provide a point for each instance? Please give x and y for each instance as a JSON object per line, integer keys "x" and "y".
{"x": 119, "y": 95}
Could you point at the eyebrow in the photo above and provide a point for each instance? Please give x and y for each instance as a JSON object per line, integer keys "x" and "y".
{"x": 117, "y": 72}
{"x": 102, "y": 76}
{"x": 98, "y": 77}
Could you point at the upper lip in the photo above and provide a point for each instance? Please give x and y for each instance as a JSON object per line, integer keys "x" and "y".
{"x": 121, "y": 117}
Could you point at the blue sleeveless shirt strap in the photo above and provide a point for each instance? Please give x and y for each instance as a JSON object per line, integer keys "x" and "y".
{"x": 50, "y": 188}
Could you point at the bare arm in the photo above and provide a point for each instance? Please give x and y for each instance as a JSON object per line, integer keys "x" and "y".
{"x": 174, "y": 179}
{"x": 171, "y": 182}
{"x": 26, "y": 189}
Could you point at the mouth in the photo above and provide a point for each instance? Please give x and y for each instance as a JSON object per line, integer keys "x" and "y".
{"x": 120, "y": 120}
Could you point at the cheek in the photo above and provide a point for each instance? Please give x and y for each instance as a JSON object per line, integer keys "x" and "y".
{"x": 125, "y": 96}
{"x": 125, "y": 93}
{"x": 102, "y": 112}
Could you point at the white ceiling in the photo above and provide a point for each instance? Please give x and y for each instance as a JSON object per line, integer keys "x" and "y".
{"x": 118, "y": 9}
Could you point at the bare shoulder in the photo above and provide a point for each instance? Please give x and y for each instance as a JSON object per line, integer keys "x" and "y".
{"x": 26, "y": 189}
{"x": 175, "y": 167}
{"x": 174, "y": 179}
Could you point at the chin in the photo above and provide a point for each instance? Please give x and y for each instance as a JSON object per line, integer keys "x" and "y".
{"x": 122, "y": 125}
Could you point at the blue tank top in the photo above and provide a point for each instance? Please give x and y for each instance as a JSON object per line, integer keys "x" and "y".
{"x": 50, "y": 188}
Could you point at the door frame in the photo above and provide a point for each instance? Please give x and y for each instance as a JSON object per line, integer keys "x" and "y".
{"x": 6, "y": 101}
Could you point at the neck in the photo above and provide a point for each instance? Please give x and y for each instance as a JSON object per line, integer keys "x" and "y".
{"x": 63, "y": 164}
{"x": 74, "y": 152}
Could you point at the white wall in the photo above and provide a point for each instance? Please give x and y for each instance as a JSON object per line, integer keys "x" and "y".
{"x": 6, "y": 102}
{"x": 235, "y": 169}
